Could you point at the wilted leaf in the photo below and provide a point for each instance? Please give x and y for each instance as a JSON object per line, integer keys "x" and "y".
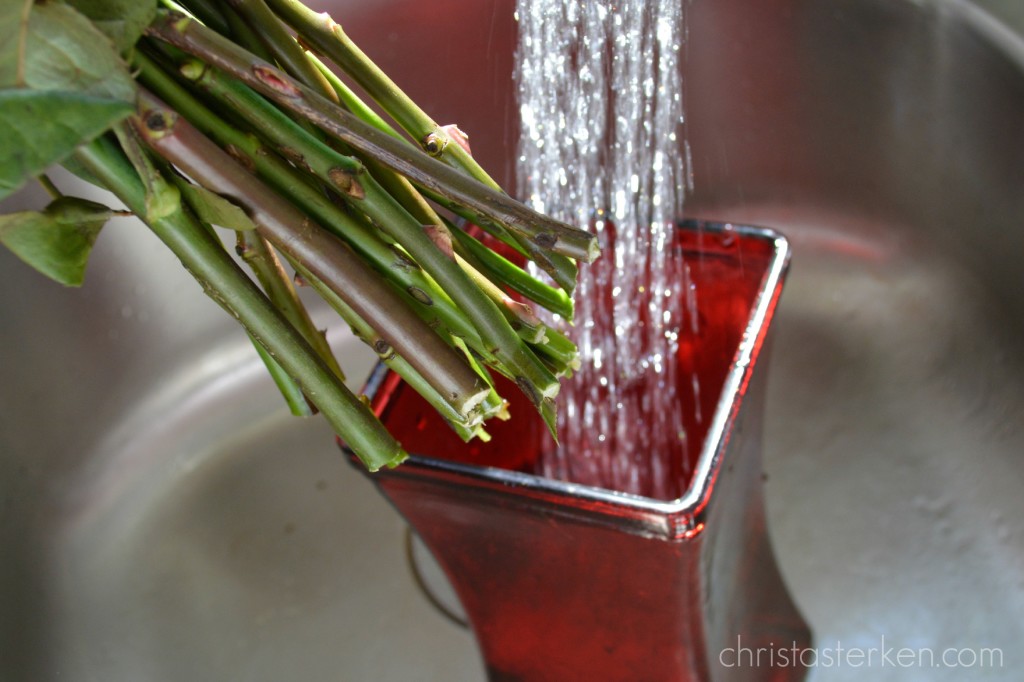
{"x": 123, "y": 21}
{"x": 214, "y": 209}
{"x": 56, "y": 241}
{"x": 42, "y": 128}
{"x": 64, "y": 51}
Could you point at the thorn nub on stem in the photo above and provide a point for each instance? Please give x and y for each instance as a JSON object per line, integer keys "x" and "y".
{"x": 271, "y": 78}
{"x": 156, "y": 121}
{"x": 345, "y": 180}
{"x": 434, "y": 144}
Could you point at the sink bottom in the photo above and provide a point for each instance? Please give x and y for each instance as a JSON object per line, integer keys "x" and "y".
{"x": 215, "y": 537}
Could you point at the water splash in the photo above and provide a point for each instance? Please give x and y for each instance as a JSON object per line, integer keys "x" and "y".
{"x": 602, "y": 146}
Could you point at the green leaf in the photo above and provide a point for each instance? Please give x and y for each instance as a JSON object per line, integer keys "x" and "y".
{"x": 42, "y": 128}
{"x": 58, "y": 52}
{"x": 56, "y": 241}
{"x": 74, "y": 166}
{"x": 214, "y": 209}
{"x": 162, "y": 198}
{"x": 65, "y": 51}
{"x": 123, "y": 21}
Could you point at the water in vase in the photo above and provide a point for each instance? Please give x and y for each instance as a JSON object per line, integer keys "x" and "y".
{"x": 602, "y": 146}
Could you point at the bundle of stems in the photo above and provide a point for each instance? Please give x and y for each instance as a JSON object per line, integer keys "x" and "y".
{"x": 247, "y": 115}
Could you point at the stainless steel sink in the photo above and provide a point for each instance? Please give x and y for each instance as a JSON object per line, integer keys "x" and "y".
{"x": 162, "y": 518}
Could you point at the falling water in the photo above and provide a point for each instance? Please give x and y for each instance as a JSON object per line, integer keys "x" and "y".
{"x": 602, "y": 146}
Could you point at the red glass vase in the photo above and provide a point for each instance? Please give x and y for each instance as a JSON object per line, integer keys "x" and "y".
{"x": 562, "y": 581}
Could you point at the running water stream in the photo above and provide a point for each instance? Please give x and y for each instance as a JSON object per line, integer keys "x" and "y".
{"x": 602, "y": 146}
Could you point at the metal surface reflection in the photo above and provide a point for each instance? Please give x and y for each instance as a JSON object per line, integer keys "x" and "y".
{"x": 884, "y": 138}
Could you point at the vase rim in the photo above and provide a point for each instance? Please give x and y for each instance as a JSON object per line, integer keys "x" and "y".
{"x": 678, "y": 518}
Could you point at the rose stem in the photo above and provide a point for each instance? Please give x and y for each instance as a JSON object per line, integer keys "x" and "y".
{"x": 225, "y": 283}
{"x": 301, "y": 240}
{"x": 543, "y": 232}
{"x": 347, "y": 176}
{"x": 392, "y": 263}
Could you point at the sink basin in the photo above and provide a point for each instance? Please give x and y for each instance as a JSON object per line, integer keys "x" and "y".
{"x": 163, "y": 518}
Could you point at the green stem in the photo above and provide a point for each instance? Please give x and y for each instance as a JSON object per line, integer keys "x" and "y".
{"x": 561, "y": 269}
{"x": 464, "y": 425}
{"x": 255, "y": 41}
{"x": 20, "y": 48}
{"x": 386, "y": 259}
{"x": 48, "y": 185}
{"x": 377, "y": 202}
{"x": 504, "y": 272}
{"x": 243, "y": 34}
{"x": 276, "y": 39}
{"x": 289, "y": 388}
{"x": 294, "y": 141}
{"x": 560, "y": 352}
{"x": 347, "y": 176}
{"x": 494, "y": 405}
{"x": 543, "y": 232}
{"x": 353, "y": 102}
{"x": 302, "y": 241}
{"x": 490, "y": 321}
{"x": 204, "y": 10}
{"x": 257, "y": 253}
{"x": 310, "y": 71}
{"x": 519, "y": 315}
{"x": 223, "y": 281}
{"x": 323, "y": 33}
